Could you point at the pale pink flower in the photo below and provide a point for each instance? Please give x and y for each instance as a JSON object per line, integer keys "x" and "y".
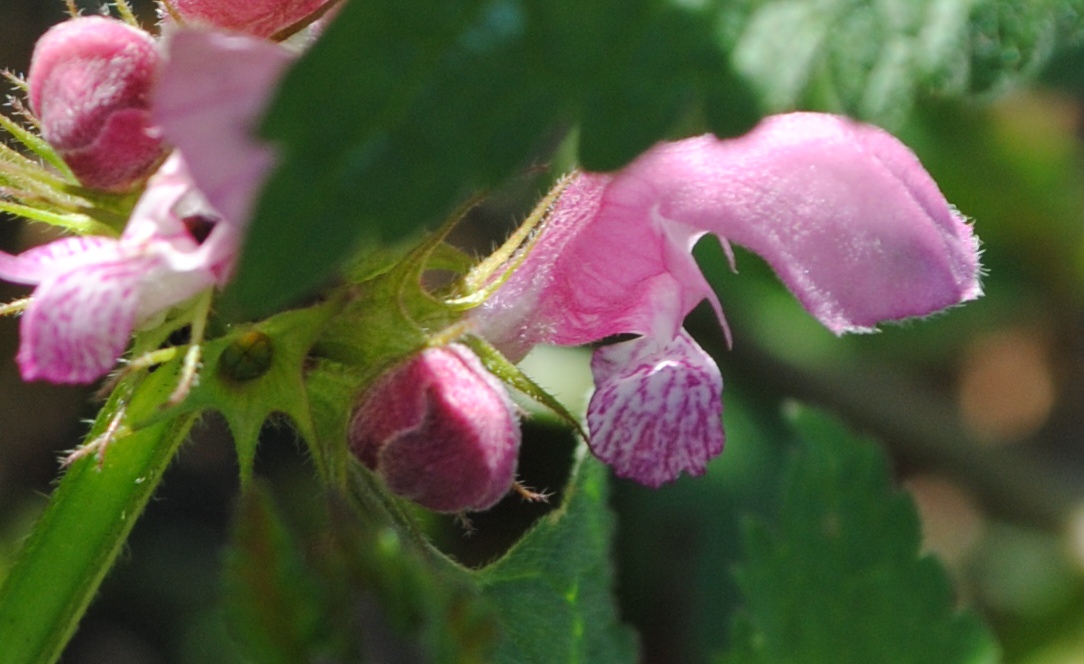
{"x": 842, "y": 211}
{"x": 211, "y": 92}
{"x": 92, "y": 292}
{"x": 440, "y": 430}
{"x": 89, "y": 84}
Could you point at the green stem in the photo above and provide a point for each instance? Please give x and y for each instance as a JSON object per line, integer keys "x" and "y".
{"x": 83, "y": 528}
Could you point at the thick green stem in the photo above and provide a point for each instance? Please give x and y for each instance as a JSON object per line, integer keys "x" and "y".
{"x": 86, "y": 523}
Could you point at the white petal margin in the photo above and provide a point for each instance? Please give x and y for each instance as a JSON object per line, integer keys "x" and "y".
{"x": 657, "y": 408}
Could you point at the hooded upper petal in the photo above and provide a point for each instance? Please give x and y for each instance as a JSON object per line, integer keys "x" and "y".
{"x": 592, "y": 274}
{"x": 212, "y": 89}
{"x": 842, "y": 211}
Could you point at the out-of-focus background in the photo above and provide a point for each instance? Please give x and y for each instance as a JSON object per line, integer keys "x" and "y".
{"x": 981, "y": 410}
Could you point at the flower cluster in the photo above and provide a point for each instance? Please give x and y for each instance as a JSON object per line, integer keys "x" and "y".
{"x": 113, "y": 101}
{"x": 842, "y": 211}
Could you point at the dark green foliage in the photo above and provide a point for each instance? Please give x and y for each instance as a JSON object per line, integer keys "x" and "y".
{"x": 323, "y": 581}
{"x": 403, "y": 108}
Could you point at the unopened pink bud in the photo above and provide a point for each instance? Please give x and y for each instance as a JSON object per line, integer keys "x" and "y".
{"x": 440, "y": 430}
{"x": 262, "y": 18}
{"x": 90, "y": 80}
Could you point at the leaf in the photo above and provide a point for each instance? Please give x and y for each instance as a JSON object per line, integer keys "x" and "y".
{"x": 258, "y": 370}
{"x": 84, "y": 527}
{"x": 838, "y": 578}
{"x": 441, "y": 99}
{"x": 316, "y": 580}
{"x": 872, "y": 58}
{"x": 1009, "y": 40}
{"x": 334, "y": 580}
{"x": 273, "y": 601}
{"x": 553, "y": 590}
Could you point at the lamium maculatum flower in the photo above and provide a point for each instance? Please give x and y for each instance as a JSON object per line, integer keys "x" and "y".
{"x": 440, "y": 430}
{"x": 842, "y": 211}
{"x": 262, "y": 18}
{"x": 92, "y": 292}
{"x": 212, "y": 89}
{"x": 89, "y": 84}
{"x": 185, "y": 232}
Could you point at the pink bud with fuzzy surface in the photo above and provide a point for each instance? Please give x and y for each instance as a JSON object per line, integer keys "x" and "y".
{"x": 440, "y": 430}
{"x": 90, "y": 81}
{"x": 262, "y": 18}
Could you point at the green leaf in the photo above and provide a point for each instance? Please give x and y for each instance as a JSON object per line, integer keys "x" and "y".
{"x": 1009, "y": 40}
{"x": 838, "y": 578}
{"x": 327, "y": 579}
{"x": 317, "y": 580}
{"x": 553, "y": 590}
{"x": 400, "y": 109}
{"x": 84, "y": 526}
{"x": 872, "y": 58}
{"x": 272, "y": 598}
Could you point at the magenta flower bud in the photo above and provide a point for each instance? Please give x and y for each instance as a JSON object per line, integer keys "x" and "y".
{"x": 90, "y": 80}
{"x": 262, "y": 18}
{"x": 440, "y": 430}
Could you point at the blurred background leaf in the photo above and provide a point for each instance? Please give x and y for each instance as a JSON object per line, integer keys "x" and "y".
{"x": 836, "y": 577}
{"x": 317, "y": 579}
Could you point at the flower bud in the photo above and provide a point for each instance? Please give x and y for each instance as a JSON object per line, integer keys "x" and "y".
{"x": 440, "y": 430}
{"x": 262, "y": 18}
{"x": 89, "y": 82}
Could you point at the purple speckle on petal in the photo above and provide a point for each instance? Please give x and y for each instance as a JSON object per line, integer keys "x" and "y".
{"x": 657, "y": 408}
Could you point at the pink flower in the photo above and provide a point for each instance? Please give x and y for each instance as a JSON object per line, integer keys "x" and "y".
{"x": 89, "y": 84}
{"x": 92, "y": 292}
{"x": 262, "y": 18}
{"x": 440, "y": 430}
{"x": 843, "y": 212}
{"x": 212, "y": 90}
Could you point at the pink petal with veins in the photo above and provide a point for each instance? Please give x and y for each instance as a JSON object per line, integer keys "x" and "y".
{"x": 93, "y": 291}
{"x": 78, "y": 322}
{"x": 36, "y": 264}
{"x": 657, "y": 408}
